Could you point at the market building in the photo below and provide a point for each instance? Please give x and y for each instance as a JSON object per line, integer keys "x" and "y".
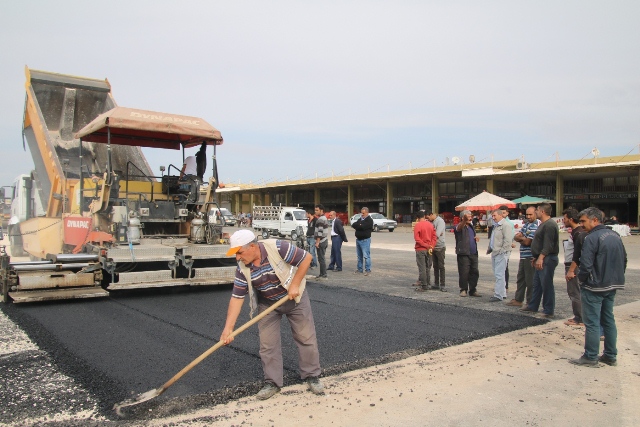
{"x": 608, "y": 183}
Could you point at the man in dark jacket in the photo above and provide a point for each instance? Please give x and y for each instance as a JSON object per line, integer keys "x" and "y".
{"x": 572, "y": 253}
{"x": 201, "y": 161}
{"x": 311, "y": 239}
{"x": 337, "y": 237}
{"x": 467, "y": 254}
{"x": 544, "y": 250}
{"x": 363, "y": 227}
{"x": 603, "y": 262}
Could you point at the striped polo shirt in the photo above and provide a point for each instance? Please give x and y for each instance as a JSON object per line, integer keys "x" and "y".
{"x": 263, "y": 277}
{"x": 528, "y": 230}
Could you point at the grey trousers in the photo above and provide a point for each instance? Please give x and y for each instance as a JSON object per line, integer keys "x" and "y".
{"x": 573, "y": 289}
{"x": 322, "y": 260}
{"x": 304, "y": 334}
{"x": 438, "y": 266}
{"x": 524, "y": 280}
{"x": 423, "y": 259}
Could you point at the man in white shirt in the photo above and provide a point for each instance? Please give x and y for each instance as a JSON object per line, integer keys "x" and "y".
{"x": 189, "y": 167}
{"x": 337, "y": 237}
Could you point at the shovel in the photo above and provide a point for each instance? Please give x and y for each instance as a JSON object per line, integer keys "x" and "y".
{"x": 158, "y": 391}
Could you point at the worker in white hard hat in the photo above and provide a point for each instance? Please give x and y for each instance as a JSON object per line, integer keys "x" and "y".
{"x": 263, "y": 268}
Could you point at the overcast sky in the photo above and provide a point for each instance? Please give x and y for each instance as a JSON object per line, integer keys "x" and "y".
{"x": 301, "y": 87}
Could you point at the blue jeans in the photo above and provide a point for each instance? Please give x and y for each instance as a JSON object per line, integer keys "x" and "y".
{"x": 311, "y": 241}
{"x": 363, "y": 249}
{"x": 499, "y": 263}
{"x": 597, "y": 310}
{"x": 543, "y": 286}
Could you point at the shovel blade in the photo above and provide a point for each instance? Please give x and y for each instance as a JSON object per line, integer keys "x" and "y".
{"x": 136, "y": 400}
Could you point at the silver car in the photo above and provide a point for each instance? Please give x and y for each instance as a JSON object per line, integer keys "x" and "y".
{"x": 380, "y": 222}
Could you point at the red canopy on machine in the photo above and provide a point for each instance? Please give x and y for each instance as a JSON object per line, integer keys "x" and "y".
{"x": 128, "y": 126}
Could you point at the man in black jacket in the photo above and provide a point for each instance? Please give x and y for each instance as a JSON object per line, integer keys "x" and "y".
{"x": 467, "y": 254}
{"x": 603, "y": 262}
{"x": 363, "y": 227}
{"x": 337, "y": 237}
{"x": 544, "y": 250}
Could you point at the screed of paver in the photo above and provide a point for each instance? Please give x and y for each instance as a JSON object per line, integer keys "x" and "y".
{"x": 33, "y": 392}
{"x": 519, "y": 378}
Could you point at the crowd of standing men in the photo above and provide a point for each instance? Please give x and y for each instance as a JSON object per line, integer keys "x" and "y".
{"x": 595, "y": 263}
{"x": 273, "y": 275}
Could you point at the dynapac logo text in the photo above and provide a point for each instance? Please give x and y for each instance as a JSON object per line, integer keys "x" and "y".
{"x": 164, "y": 118}
{"x": 78, "y": 224}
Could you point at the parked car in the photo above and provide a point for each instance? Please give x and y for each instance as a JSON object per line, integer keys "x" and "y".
{"x": 229, "y": 219}
{"x": 380, "y": 222}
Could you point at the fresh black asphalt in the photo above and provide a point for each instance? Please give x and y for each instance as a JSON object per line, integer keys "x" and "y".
{"x": 132, "y": 342}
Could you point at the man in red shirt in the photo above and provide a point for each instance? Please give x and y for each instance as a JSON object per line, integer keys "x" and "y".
{"x": 425, "y": 237}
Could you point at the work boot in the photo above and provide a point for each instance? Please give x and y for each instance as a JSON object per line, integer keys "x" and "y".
{"x": 609, "y": 361}
{"x": 268, "y": 391}
{"x": 315, "y": 386}
{"x": 583, "y": 361}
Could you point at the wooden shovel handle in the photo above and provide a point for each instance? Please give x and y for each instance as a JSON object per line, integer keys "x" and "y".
{"x": 219, "y": 344}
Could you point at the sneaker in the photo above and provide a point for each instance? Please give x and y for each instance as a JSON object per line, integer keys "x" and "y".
{"x": 330, "y": 268}
{"x": 607, "y": 360}
{"x": 321, "y": 277}
{"x": 583, "y": 361}
{"x": 357, "y": 272}
{"x": 463, "y": 293}
{"x": 268, "y": 391}
{"x": 315, "y": 386}
{"x": 514, "y": 303}
{"x": 495, "y": 299}
{"x": 366, "y": 273}
{"x": 336, "y": 270}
